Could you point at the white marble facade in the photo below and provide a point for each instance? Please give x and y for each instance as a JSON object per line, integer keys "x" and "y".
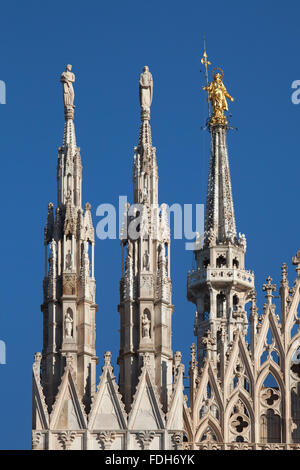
{"x": 244, "y": 388}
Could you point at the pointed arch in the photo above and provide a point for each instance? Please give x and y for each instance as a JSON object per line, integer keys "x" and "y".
{"x": 206, "y": 422}
{"x": 239, "y": 350}
{"x": 239, "y": 396}
{"x": 269, "y": 367}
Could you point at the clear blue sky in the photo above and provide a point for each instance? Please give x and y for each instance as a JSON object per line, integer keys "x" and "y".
{"x": 108, "y": 43}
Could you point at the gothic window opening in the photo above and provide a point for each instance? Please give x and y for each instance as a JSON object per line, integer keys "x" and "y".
{"x": 69, "y": 184}
{"x": 275, "y": 357}
{"x": 221, "y": 305}
{"x": 270, "y": 427}
{"x": 235, "y": 302}
{"x": 206, "y": 306}
{"x": 270, "y": 400}
{"x": 221, "y": 261}
{"x": 269, "y": 351}
{"x": 239, "y": 423}
{"x": 246, "y": 385}
{"x": 235, "y": 263}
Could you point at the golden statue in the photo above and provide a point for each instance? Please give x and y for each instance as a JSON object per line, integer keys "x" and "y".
{"x": 217, "y": 95}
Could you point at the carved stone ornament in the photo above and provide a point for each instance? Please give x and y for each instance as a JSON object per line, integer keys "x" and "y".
{"x": 69, "y": 284}
{"x": 67, "y": 438}
{"x": 106, "y": 439}
{"x": 145, "y": 438}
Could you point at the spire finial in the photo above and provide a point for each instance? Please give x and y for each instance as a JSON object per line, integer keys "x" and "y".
{"x": 146, "y": 93}
{"x": 67, "y": 79}
{"x": 206, "y": 64}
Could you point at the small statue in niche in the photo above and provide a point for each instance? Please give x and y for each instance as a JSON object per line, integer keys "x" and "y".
{"x": 68, "y": 325}
{"x": 69, "y": 261}
{"x": 146, "y": 260}
{"x": 146, "y": 323}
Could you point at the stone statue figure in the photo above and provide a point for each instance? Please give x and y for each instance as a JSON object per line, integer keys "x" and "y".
{"x": 68, "y": 324}
{"x": 146, "y": 260}
{"x": 145, "y": 326}
{"x": 67, "y": 79}
{"x": 146, "y": 89}
{"x": 217, "y": 95}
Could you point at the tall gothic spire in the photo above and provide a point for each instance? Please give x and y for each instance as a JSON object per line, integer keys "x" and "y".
{"x": 69, "y": 169}
{"x": 145, "y": 298}
{"x": 69, "y": 286}
{"x": 220, "y": 287}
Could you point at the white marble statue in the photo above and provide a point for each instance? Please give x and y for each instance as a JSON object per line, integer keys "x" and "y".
{"x": 68, "y": 325}
{"x": 146, "y": 89}
{"x": 146, "y": 260}
{"x": 145, "y": 326}
{"x": 67, "y": 79}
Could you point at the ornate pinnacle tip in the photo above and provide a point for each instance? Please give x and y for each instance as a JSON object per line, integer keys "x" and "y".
{"x": 87, "y": 206}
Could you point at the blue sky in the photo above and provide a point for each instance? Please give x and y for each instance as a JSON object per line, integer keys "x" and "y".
{"x": 108, "y": 43}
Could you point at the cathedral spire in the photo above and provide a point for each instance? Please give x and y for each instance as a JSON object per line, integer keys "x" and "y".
{"x": 69, "y": 286}
{"x": 145, "y": 304}
{"x": 69, "y": 168}
{"x": 219, "y": 219}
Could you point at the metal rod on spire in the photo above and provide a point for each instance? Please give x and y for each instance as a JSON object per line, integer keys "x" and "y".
{"x": 206, "y": 64}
